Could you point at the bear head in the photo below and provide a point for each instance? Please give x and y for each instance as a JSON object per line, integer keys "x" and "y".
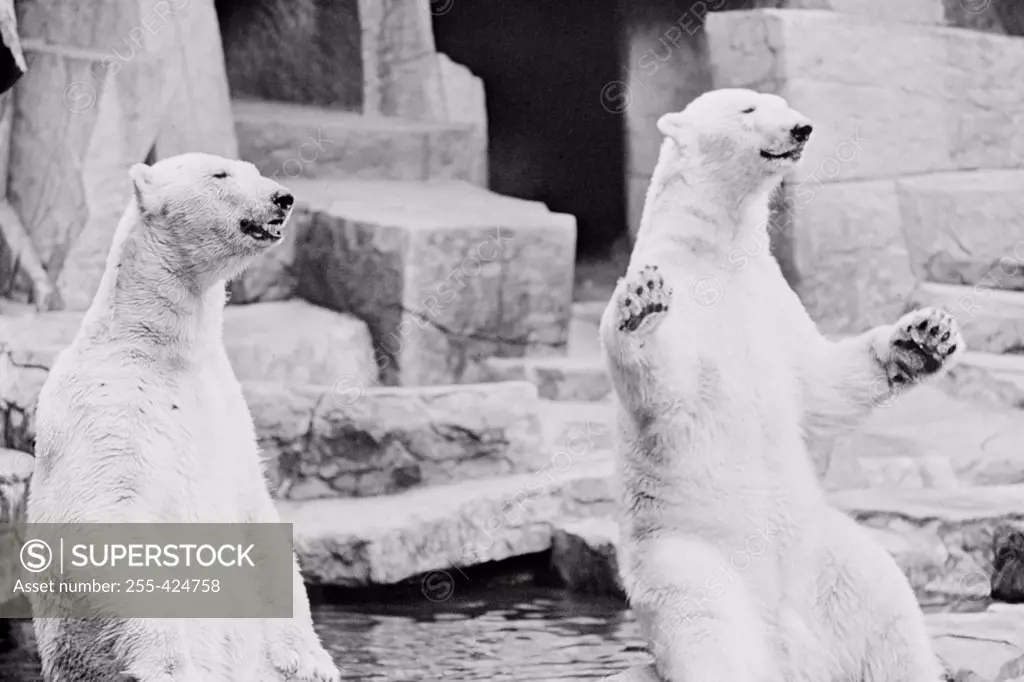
{"x": 736, "y": 138}
{"x": 209, "y": 215}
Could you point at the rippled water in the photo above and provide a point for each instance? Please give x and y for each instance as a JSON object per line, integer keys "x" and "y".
{"x": 504, "y": 630}
{"x": 512, "y": 632}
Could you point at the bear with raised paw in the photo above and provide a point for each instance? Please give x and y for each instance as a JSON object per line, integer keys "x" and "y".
{"x": 142, "y": 420}
{"x": 735, "y": 566}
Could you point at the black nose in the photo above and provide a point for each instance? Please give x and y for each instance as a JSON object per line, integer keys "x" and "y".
{"x": 800, "y": 133}
{"x": 283, "y": 201}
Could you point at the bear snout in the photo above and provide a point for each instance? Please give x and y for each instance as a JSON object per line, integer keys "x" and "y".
{"x": 801, "y": 132}
{"x": 283, "y": 200}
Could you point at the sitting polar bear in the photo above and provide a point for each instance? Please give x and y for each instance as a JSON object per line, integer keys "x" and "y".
{"x": 142, "y": 419}
{"x": 735, "y": 566}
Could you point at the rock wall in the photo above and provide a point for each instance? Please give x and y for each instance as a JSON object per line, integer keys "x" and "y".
{"x": 887, "y": 141}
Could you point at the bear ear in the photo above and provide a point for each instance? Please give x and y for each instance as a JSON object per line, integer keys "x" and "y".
{"x": 142, "y": 181}
{"x": 677, "y": 127}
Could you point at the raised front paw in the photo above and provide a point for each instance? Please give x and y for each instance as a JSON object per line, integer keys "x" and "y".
{"x": 642, "y": 300}
{"x": 925, "y": 342}
{"x": 298, "y": 656}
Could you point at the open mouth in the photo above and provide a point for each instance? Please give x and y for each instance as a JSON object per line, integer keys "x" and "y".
{"x": 791, "y": 154}
{"x": 269, "y": 231}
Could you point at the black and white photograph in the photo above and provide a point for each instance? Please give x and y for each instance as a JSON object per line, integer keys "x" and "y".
{"x": 511, "y": 340}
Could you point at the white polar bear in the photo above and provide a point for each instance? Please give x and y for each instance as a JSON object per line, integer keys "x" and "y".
{"x": 736, "y": 568}
{"x": 142, "y": 419}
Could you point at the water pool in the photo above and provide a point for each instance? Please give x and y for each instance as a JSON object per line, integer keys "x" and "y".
{"x": 505, "y": 628}
{"x": 504, "y": 631}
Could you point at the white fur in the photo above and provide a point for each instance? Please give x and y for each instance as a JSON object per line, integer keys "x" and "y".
{"x": 142, "y": 419}
{"x": 735, "y": 566}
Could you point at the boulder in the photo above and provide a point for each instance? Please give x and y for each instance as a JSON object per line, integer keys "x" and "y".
{"x": 444, "y": 273}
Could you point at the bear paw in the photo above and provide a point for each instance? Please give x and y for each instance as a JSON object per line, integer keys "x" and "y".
{"x": 642, "y": 300}
{"x": 301, "y": 658}
{"x": 924, "y": 342}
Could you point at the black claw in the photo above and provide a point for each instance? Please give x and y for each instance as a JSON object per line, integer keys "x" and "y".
{"x": 951, "y": 349}
{"x": 945, "y": 337}
{"x": 904, "y": 344}
{"x": 639, "y": 291}
{"x": 922, "y": 325}
{"x": 934, "y": 330}
{"x": 627, "y": 301}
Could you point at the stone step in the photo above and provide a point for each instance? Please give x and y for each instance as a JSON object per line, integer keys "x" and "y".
{"x": 323, "y": 441}
{"x": 992, "y": 320}
{"x": 929, "y": 439}
{"x": 571, "y": 378}
{"x": 437, "y": 531}
{"x": 445, "y": 274}
{"x": 292, "y": 342}
{"x": 963, "y": 228}
{"x": 291, "y": 141}
{"x": 942, "y": 540}
{"x": 987, "y": 379}
{"x": 577, "y": 426}
{"x": 339, "y": 441}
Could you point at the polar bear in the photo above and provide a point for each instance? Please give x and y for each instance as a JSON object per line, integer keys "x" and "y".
{"x": 735, "y": 566}
{"x": 142, "y": 419}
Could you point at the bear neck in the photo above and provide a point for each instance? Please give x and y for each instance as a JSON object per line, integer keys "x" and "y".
{"x": 692, "y": 212}
{"x": 146, "y": 297}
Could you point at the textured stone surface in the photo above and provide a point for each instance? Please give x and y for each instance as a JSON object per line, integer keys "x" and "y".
{"x": 444, "y": 273}
{"x": 15, "y": 470}
{"x": 964, "y": 228}
{"x": 296, "y": 342}
{"x": 941, "y": 539}
{"x": 990, "y": 379}
{"x": 289, "y": 341}
{"x": 351, "y": 441}
{"x": 933, "y": 114}
{"x": 290, "y": 141}
{"x": 992, "y": 320}
{"x": 578, "y": 427}
{"x": 105, "y": 83}
{"x": 583, "y": 556}
{"x": 851, "y": 263}
{"x": 434, "y": 531}
{"x": 928, "y": 439}
{"x": 570, "y": 378}
{"x": 986, "y": 642}
{"x": 294, "y": 50}
{"x": 849, "y": 255}
{"x": 1008, "y": 565}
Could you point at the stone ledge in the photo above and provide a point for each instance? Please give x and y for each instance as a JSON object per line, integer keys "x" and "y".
{"x": 291, "y": 141}
{"x": 941, "y": 539}
{"x": 992, "y": 320}
{"x": 445, "y": 274}
{"x": 964, "y": 228}
{"x": 15, "y": 471}
{"x": 291, "y": 341}
{"x": 570, "y": 378}
{"x": 385, "y": 540}
{"x": 325, "y": 442}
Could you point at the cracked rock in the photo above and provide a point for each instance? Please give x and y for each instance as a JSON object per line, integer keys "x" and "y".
{"x": 444, "y": 273}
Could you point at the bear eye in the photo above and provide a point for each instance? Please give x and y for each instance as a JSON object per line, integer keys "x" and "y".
{"x": 748, "y": 110}
{"x": 221, "y": 175}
